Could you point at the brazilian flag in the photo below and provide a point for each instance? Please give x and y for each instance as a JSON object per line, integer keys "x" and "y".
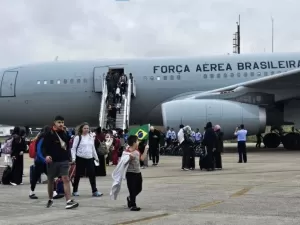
{"x": 141, "y": 132}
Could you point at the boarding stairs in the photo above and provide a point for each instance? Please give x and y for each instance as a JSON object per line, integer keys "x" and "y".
{"x": 122, "y": 118}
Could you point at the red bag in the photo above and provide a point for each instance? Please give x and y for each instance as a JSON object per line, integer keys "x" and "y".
{"x": 32, "y": 149}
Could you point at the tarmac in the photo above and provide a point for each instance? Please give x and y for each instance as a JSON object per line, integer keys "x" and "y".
{"x": 263, "y": 191}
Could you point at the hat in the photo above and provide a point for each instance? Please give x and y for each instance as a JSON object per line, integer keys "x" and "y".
{"x": 217, "y": 127}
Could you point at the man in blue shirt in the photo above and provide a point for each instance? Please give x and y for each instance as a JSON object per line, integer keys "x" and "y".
{"x": 241, "y": 134}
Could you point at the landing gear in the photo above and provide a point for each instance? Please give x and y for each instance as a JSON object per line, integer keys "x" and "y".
{"x": 272, "y": 140}
{"x": 290, "y": 141}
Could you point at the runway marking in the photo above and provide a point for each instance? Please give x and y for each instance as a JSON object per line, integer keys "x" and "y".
{"x": 149, "y": 218}
{"x": 241, "y": 192}
{"x": 205, "y": 205}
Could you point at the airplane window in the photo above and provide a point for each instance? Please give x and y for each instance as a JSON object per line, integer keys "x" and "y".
{"x": 158, "y": 78}
{"x": 58, "y": 81}
{"x": 218, "y": 75}
{"x": 258, "y": 73}
{"x": 145, "y": 78}
{"x": 151, "y": 78}
{"x": 211, "y": 76}
{"x": 225, "y": 75}
{"x": 265, "y": 73}
{"x": 245, "y": 74}
{"x": 71, "y": 81}
{"x": 252, "y": 74}
{"x": 165, "y": 77}
{"x": 272, "y": 72}
{"x": 232, "y": 74}
{"x": 238, "y": 74}
{"x": 178, "y": 77}
{"x": 78, "y": 81}
{"x": 171, "y": 77}
{"x": 38, "y": 82}
{"x": 84, "y": 80}
{"x": 205, "y": 76}
{"x": 51, "y": 81}
{"x": 65, "y": 81}
{"x": 45, "y": 82}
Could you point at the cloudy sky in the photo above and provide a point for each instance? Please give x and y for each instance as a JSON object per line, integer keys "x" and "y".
{"x": 40, "y": 30}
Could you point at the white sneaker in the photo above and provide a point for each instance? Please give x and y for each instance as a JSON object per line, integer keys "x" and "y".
{"x": 13, "y": 184}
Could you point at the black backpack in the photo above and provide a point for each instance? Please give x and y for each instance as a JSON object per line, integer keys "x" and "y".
{"x": 6, "y": 177}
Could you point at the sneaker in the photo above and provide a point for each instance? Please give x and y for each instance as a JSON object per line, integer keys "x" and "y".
{"x": 76, "y": 194}
{"x": 13, "y": 184}
{"x": 33, "y": 196}
{"x": 71, "y": 204}
{"x": 135, "y": 208}
{"x": 58, "y": 196}
{"x": 49, "y": 204}
{"x": 97, "y": 194}
{"x": 185, "y": 169}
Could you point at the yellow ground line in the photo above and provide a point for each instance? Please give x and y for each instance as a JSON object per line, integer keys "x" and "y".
{"x": 241, "y": 192}
{"x": 144, "y": 219}
{"x": 206, "y": 205}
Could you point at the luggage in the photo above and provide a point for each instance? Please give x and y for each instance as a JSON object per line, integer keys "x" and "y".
{"x": 31, "y": 174}
{"x": 59, "y": 186}
{"x": 6, "y": 176}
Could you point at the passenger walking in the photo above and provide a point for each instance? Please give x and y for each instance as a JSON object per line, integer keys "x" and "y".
{"x": 154, "y": 138}
{"x": 241, "y": 134}
{"x": 83, "y": 154}
{"x": 40, "y": 165}
{"x": 133, "y": 174}
{"x": 57, "y": 154}
{"x": 115, "y": 152}
{"x": 219, "y": 147}
{"x": 18, "y": 148}
{"x": 99, "y": 142}
{"x": 180, "y": 135}
{"x": 258, "y": 140}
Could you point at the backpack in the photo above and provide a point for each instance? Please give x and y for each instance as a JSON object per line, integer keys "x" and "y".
{"x": 32, "y": 149}
{"x": 102, "y": 149}
{"x": 6, "y": 177}
{"x": 6, "y": 149}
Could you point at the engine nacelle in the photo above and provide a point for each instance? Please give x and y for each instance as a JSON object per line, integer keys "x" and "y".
{"x": 227, "y": 114}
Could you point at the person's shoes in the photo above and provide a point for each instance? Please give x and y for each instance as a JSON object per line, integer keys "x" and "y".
{"x": 135, "y": 208}
{"x": 97, "y": 194}
{"x": 49, "y": 203}
{"x": 71, "y": 204}
{"x": 76, "y": 194}
{"x": 239, "y": 161}
{"x": 33, "y": 196}
{"x": 13, "y": 184}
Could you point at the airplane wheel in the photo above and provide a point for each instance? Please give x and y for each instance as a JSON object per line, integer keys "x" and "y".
{"x": 271, "y": 140}
{"x": 291, "y": 141}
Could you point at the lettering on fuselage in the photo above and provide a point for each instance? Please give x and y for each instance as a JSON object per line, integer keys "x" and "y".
{"x": 262, "y": 65}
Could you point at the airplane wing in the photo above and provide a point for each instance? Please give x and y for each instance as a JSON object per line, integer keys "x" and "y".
{"x": 270, "y": 84}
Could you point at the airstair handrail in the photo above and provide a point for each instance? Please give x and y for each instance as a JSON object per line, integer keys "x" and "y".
{"x": 103, "y": 101}
{"x": 133, "y": 88}
{"x": 127, "y": 106}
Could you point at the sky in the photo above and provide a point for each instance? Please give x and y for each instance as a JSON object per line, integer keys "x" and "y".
{"x": 39, "y": 30}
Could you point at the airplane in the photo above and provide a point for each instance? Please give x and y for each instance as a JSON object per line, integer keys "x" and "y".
{"x": 251, "y": 89}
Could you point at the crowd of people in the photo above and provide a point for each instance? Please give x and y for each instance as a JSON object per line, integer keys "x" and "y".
{"x": 116, "y": 89}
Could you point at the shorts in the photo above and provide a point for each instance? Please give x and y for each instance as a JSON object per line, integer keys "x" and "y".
{"x": 57, "y": 169}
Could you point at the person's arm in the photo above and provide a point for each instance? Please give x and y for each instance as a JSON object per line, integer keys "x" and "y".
{"x": 236, "y": 131}
{"x": 74, "y": 147}
{"x": 47, "y": 145}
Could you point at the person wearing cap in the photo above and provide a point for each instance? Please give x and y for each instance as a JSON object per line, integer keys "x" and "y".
{"x": 58, "y": 156}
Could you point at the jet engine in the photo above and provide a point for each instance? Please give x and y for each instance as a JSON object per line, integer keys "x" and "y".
{"x": 227, "y": 114}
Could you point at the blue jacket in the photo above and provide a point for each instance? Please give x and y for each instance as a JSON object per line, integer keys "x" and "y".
{"x": 39, "y": 152}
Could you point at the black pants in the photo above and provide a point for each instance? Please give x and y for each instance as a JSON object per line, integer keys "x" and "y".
{"x": 101, "y": 169}
{"x": 210, "y": 158}
{"x": 155, "y": 155}
{"x": 118, "y": 98}
{"x": 242, "y": 151}
{"x": 17, "y": 170}
{"x": 39, "y": 169}
{"x": 82, "y": 165}
{"x": 185, "y": 156}
{"x": 134, "y": 184}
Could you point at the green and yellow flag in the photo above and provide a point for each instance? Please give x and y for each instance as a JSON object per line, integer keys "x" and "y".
{"x": 141, "y": 132}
